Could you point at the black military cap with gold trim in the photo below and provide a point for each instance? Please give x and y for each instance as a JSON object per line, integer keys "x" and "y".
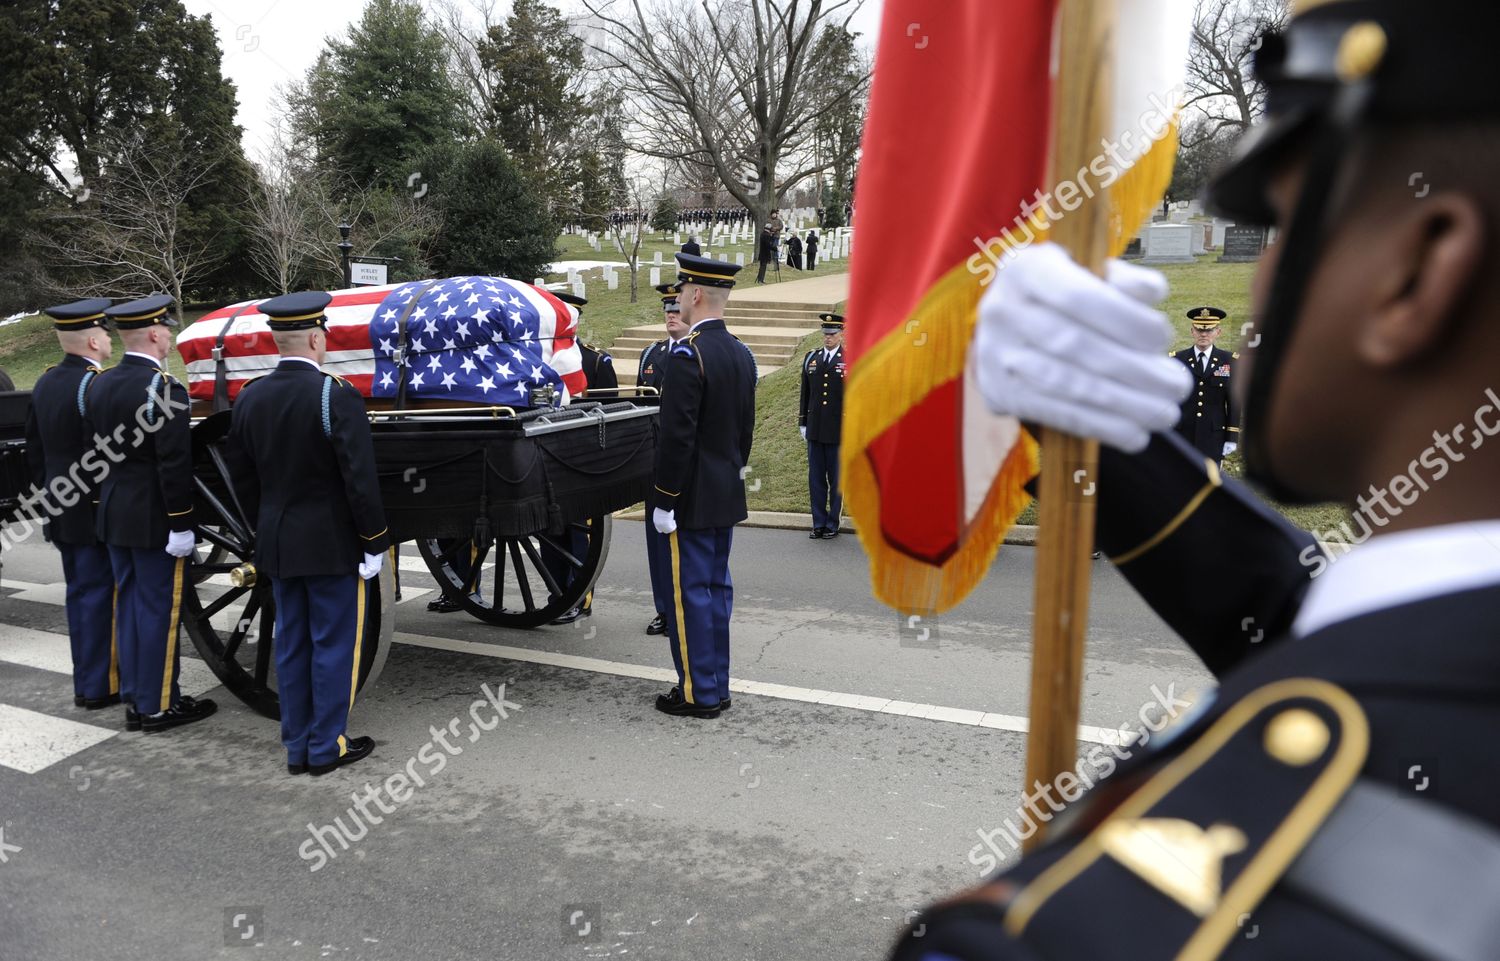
{"x": 303, "y": 310}
{"x": 669, "y": 294}
{"x": 80, "y": 314}
{"x": 1206, "y": 318}
{"x": 832, "y": 323}
{"x": 136, "y": 314}
{"x": 705, "y": 271}
{"x": 1424, "y": 62}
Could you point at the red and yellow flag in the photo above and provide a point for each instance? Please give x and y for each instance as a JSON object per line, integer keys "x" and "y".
{"x": 952, "y": 179}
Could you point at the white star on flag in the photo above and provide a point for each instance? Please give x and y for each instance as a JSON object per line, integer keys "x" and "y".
{"x": 436, "y": 363}
{"x": 386, "y": 380}
{"x": 462, "y": 328}
{"x": 442, "y": 298}
{"x": 472, "y": 300}
{"x": 385, "y": 346}
{"x": 536, "y": 373}
{"x": 486, "y": 384}
{"x": 448, "y": 344}
{"x": 504, "y": 371}
{"x": 416, "y": 380}
{"x": 482, "y": 351}
{"x": 448, "y": 381}
{"x": 468, "y": 365}
{"x": 450, "y": 312}
{"x": 430, "y": 327}
{"x": 390, "y": 314}
{"x": 420, "y": 313}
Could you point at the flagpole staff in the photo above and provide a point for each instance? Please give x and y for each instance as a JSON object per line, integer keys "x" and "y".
{"x": 1082, "y": 104}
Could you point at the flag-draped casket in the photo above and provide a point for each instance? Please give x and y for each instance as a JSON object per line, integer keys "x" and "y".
{"x": 472, "y": 340}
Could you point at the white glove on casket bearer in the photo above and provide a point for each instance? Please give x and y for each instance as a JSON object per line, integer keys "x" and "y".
{"x": 371, "y": 565}
{"x": 1230, "y": 447}
{"x": 804, "y": 432}
{"x": 180, "y": 543}
{"x": 1057, "y": 346}
{"x": 665, "y": 521}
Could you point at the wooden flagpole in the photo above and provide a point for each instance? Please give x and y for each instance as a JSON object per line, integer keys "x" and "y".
{"x": 1082, "y": 104}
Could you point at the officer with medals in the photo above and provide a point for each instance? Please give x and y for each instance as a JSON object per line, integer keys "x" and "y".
{"x": 707, "y": 422}
{"x": 1335, "y": 796}
{"x": 301, "y": 452}
{"x": 652, "y": 373}
{"x": 145, "y": 512}
{"x": 820, "y": 419}
{"x": 1208, "y": 420}
{"x": 57, "y": 445}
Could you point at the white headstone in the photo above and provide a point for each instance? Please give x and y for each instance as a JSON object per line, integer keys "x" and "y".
{"x": 578, "y": 290}
{"x": 676, "y": 239}
{"x": 1168, "y": 244}
{"x": 572, "y": 275}
{"x": 612, "y": 279}
{"x": 655, "y": 276}
{"x": 656, "y": 258}
{"x": 739, "y": 258}
{"x": 1199, "y": 237}
{"x": 539, "y": 282}
{"x": 1217, "y": 240}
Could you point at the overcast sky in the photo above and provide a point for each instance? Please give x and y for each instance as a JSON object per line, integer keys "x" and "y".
{"x": 267, "y": 43}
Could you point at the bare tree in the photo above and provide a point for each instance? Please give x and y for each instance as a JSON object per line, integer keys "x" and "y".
{"x": 135, "y": 233}
{"x": 1220, "y": 85}
{"x": 283, "y": 231}
{"x": 732, "y": 75}
{"x": 628, "y": 228}
{"x": 465, "y": 27}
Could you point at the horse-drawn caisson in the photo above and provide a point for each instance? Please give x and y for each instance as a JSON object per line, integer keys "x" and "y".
{"x": 505, "y": 481}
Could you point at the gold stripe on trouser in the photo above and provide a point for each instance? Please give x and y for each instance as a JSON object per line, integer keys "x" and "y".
{"x": 166, "y": 668}
{"x": 473, "y": 580}
{"x": 359, "y": 636}
{"x": 687, "y": 669}
{"x": 114, "y": 649}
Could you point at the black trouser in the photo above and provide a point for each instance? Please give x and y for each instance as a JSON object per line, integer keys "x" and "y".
{"x": 761, "y": 277}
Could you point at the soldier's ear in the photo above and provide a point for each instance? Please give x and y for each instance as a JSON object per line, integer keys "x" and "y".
{"x": 1435, "y": 251}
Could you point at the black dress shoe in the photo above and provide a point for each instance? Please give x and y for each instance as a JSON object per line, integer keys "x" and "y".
{"x": 99, "y": 703}
{"x": 829, "y": 533}
{"x": 355, "y": 749}
{"x": 724, "y": 704}
{"x": 295, "y": 769}
{"x": 78, "y": 700}
{"x": 569, "y": 616}
{"x": 815, "y": 533}
{"x": 132, "y": 719}
{"x": 657, "y": 626}
{"x": 674, "y": 704}
{"x": 444, "y": 605}
{"x": 185, "y": 711}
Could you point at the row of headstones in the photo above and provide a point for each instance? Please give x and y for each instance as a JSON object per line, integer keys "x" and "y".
{"x": 841, "y": 247}
{"x": 1182, "y": 243}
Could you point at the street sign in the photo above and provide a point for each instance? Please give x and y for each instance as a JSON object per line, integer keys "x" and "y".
{"x": 367, "y": 275}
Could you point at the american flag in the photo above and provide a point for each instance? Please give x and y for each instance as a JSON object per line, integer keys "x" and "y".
{"x": 484, "y": 340}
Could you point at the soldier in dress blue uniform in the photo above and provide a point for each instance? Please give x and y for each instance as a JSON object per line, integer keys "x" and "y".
{"x": 652, "y": 373}
{"x": 56, "y": 445}
{"x": 820, "y": 419}
{"x": 145, "y": 512}
{"x": 300, "y": 449}
{"x": 599, "y": 374}
{"x": 707, "y": 422}
{"x": 1209, "y": 422}
{"x": 1335, "y": 796}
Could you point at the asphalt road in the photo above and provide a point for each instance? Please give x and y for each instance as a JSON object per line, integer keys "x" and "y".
{"x": 582, "y": 823}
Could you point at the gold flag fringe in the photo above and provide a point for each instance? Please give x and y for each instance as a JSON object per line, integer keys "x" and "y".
{"x": 930, "y": 350}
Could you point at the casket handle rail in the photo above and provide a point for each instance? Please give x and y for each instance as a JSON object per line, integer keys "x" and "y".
{"x": 221, "y": 369}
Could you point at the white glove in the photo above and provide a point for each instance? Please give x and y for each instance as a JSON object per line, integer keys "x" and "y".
{"x": 804, "y": 432}
{"x": 371, "y": 565}
{"x": 1060, "y": 347}
{"x": 1230, "y": 447}
{"x": 665, "y": 521}
{"x": 180, "y": 543}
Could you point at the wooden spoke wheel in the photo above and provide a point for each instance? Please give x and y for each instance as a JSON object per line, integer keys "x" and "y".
{"x": 520, "y": 581}
{"x": 232, "y": 619}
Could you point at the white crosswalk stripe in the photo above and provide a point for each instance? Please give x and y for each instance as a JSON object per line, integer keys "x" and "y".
{"x": 31, "y": 741}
